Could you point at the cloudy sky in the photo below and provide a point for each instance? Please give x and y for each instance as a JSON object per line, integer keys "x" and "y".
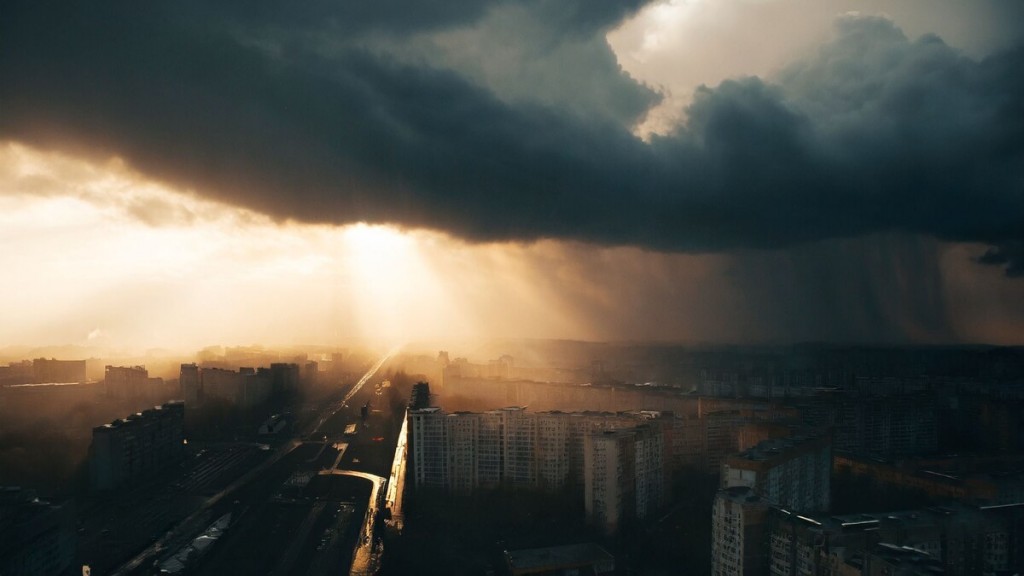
{"x": 191, "y": 173}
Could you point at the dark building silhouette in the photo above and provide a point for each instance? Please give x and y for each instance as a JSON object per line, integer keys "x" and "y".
{"x": 36, "y": 537}
{"x": 136, "y": 448}
{"x": 52, "y": 370}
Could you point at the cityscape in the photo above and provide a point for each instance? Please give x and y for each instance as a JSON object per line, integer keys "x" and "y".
{"x": 511, "y": 288}
{"x": 591, "y": 459}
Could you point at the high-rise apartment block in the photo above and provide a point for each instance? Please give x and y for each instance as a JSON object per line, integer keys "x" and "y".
{"x": 888, "y": 426}
{"x": 245, "y": 387}
{"x": 128, "y": 382}
{"x": 511, "y": 447}
{"x": 190, "y": 383}
{"x": 952, "y": 540}
{"x": 64, "y": 371}
{"x": 609, "y": 495}
{"x": 793, "y": 472}
{"x": 138, "y": 447}
{"x": 624, "y": 474}
{"x": 519, "y": 439}
{"x": 429, "y": 442}
{"x": 739, "y": 546}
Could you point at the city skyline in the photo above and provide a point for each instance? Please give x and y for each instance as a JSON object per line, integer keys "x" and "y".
{"x": 698, "y": 172}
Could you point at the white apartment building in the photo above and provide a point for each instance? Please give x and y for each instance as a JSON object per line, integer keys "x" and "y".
{"x": 511, "y": 447}
{"x": 520, "y": 438}
{"x": 429, "y": 447}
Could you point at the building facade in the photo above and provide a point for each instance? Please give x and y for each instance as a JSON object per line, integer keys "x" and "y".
{"x": 953, "y": 540}
{"x": 614, "y": 462}
{"x": 126, "y": 382}
{"x": 793, "y": 472}
{"x": 63, "y": 371}
{"x": 136, "y": 448}
{"x": 739, "y": 543}
{"x": 36, "y": 537}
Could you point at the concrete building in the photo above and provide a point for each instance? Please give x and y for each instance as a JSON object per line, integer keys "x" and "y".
{"x": 978, "y": 479}
{"x": 191, "y": 385}
{"x": 428, "y": 444}
{"x": 490, "y": 449}
{"x": 245, "y": 388}
{"x": 624, "y": 474}
{"x": 956, "y": 539}
{"x": 793, "y": 472}
{"x": 684, "y": 442}
{"x": 610, "y": 488}
{"x": 16, "y": 373}
{"x": 739, "y": 535}
{"x": 222, "y": 384}
{"x": 63, "y": 371}
{"x": 553, "y": 448}
{"x": 463, "y": 450}
{"x": 886, "y": 426}
{"x": 284, "y": 377}
{"x": 36, "y": 537}
{"x": 419, "y": 397}
{"x": 511, "y": 447}
{"x": 518, "y": 443}
{"x": 649, "y": 470}
{"x": 22, "y": 403}
{"x": 310, "y": 374}
{"x": 136, "y": 448}
{"x": 720, "y": 433}
{"x": 127, "y": 382}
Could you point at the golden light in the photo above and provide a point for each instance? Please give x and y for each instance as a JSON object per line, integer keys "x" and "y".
{"x": 394, "y": 291}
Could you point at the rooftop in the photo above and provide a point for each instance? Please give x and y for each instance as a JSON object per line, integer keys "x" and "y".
{"x": 775, "y": 447}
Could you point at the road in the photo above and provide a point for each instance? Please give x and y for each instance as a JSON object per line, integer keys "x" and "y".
{"x": 355, "y": 389}
{"x": 195, "y": 522}
{"x": 366, "y": 560}
{"x": 198, "y": 519}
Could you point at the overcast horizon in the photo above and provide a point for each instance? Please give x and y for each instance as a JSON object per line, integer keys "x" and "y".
{"x": 730, "y": 171}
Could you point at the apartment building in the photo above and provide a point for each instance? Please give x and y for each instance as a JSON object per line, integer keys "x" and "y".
{"x": 511, "y": 447}
{"x": 428, "y": 446}
{"x": 954, "y": 539}
{"x": 793, "y": 472}
{"x": 136, "y": 448}
{"x": 739, "y": 543}
{"x": 36, "y": 536}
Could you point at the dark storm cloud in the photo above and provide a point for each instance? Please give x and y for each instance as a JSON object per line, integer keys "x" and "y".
{"x": 1009, "y": 254}
{"x": 874, "y": 132}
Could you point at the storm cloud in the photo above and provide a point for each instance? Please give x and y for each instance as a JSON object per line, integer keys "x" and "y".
{"x": 324, "y": 113}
